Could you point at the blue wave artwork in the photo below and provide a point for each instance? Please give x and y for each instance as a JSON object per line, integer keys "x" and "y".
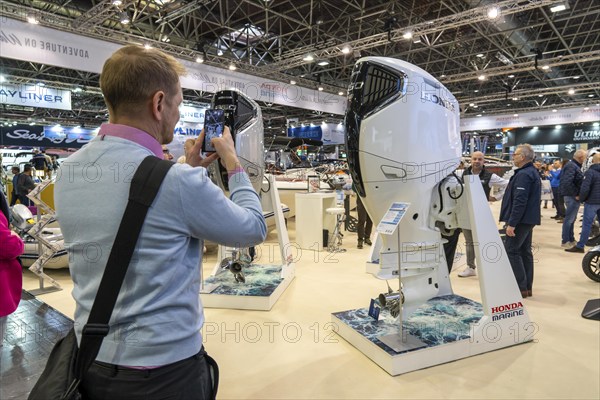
{"x": 440, "y": 320}
{"x": 261, "y": 280}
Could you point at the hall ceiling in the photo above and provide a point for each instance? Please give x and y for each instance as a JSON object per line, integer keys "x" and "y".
{"x": 454, "y": 40}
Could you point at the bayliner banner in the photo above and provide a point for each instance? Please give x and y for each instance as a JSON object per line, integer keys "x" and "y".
{"x": 35, "y": 43}
{"x": 40, "y": 136}
{"x": 35, "y": 96}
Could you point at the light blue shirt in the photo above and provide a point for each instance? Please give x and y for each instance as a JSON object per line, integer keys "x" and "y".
{"x": 158, "y": 314}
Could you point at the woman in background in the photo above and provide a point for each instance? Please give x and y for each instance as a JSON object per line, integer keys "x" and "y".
{"x": 11, "y": 275}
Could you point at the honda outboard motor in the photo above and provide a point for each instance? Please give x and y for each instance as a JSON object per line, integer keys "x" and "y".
{"x": 244, "y": 119}
{"x": 402, "y": 139}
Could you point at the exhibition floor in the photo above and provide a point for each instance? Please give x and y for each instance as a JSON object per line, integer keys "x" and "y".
{"x": 290, "y": 352}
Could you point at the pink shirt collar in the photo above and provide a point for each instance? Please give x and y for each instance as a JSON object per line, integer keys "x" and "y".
{"x": 133, "y": 134}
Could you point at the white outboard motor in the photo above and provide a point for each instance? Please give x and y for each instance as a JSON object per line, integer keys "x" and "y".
{"x": 21, "y": 218}
{"x": 244, "y": 119}
{"x": 403, "y": 138}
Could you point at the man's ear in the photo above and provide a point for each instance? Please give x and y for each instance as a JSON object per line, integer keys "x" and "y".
{"x": 158, "y": 104}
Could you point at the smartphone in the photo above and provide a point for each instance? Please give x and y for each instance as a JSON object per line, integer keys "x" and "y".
{"x": 214, "y": 123}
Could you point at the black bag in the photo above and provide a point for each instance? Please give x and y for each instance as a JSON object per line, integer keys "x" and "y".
{"x": 58, "y": 379}
{"x": 67, "y": 365}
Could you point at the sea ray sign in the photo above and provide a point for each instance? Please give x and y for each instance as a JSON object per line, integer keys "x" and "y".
{"x": 40, "y": 136}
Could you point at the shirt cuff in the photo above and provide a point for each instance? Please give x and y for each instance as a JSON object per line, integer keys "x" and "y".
{"x": 235, "y": 171}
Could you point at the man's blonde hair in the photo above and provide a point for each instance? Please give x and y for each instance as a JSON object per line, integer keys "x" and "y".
{"x": 133, "y": 74}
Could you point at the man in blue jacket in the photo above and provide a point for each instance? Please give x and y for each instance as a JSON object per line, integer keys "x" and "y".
{"x": 521, "y": 211}
{"x": 570, "y": 183}
{"x": 590, "y": 195}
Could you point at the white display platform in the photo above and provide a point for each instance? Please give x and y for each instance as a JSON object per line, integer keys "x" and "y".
{"x": 448, "y": 337}
{"x": 311, "y": 218}
{"x": 264, "y": 283}
{"x": 247, "y": 301}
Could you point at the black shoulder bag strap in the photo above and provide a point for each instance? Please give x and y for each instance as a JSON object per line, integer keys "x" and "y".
{"x": 144, "y": 187}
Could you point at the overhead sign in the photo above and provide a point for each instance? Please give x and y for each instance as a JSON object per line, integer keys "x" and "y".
{"x": 531, "y": 119}
{"x": 36, "y": 43}
{"x": 327, "y": 133}
{"x": 556, "y": 135}
{"x": 40, "y": 136}
{"x": 191, "y": 114}
{"x": 35, "y": 96}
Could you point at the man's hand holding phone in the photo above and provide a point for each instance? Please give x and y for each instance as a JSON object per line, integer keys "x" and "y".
{"x": 224, "y": 147}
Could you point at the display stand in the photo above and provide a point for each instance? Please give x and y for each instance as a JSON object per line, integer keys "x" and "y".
{"x": 451, "y": 327}
{"x": 47, "y": 248}
{"x": 312, "y": 220}
{"x": 264, "y": 283}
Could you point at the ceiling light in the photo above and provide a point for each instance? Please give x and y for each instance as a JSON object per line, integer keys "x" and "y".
{"x": 481, "y": 77}
{"x": 596, "y": 123}
{"x": 199, "y": 60}
{"x": 493, "y": 12}
{"x": 571, "y": 91}
{"x": 443, "y": 76}
{"x": 558, "y": 7}
{"x": 323, "y": 63}
{"x": 320, "y": 88}
{"x": 40, "y": 84}
{"x": 232, "y": 67}
{"x": 545, "y": 67}
{"x": 475, "y": 106}
{"x": 515, "y": 98}
{"x": 554, "y": 110}
{"x": 471, "y": 104}
{"x": 32, "y": 20}
{"x": 124, "y": 18}
{"x": 407, "y": 35}
{"x": 417, "y": 39}
{"x": 476, "y": 90}
{"x": 515, "y": 115}
{"x": 345, "y": 50}
{"x": 511, "y": 76}
{"x": 558, "y": 126}
{"x": 576, "y": 77}
{"x": 585, "y": 108}
{"x": 219, "y": 52}
{"x": 77, "y": 89}
{"x": 341, "y": 93}
{"x": 2, "y": 78}
{"x": 308, "y": 58}
{"x": 535, "y": 127}
{"x": 540, "y": 95}
{"x": 292, "y": 82}
{"x": 479, "y": 115}
{"x": 590, "y": 95}
{"x": 147, "y": 46}
{"x": 116, "y": 2}
{"x": 480, "y": 55}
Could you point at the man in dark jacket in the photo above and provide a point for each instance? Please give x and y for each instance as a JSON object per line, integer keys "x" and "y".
{"x": 590, "y": 195}
{"x": 570, "y": 183}
{"x": 14, "y": 196}
{"x": 521, "y": 211}
{"x": 25, "y": 184}
{"x": 488, "y": 181}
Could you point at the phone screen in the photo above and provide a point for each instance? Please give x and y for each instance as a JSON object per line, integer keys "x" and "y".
{"x": 214, "y": 122}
